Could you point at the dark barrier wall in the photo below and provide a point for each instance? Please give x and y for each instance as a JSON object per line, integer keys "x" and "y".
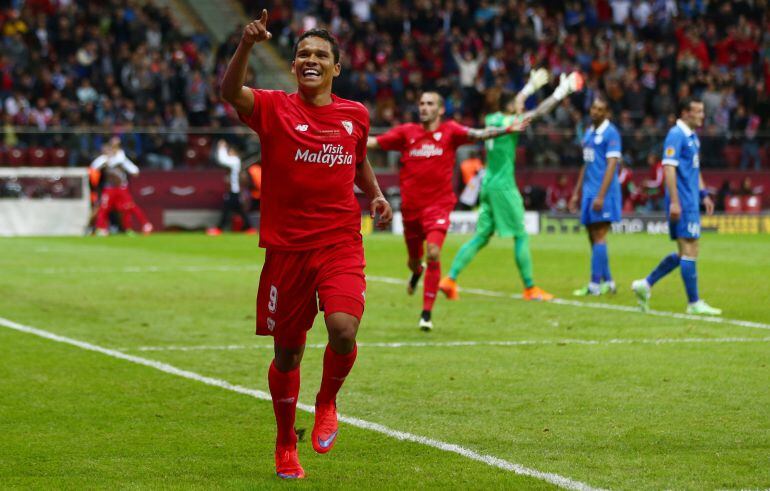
{"x": 156, "y": 191}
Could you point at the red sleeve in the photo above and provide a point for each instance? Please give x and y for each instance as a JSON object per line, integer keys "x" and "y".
{"x": 393, "y": 139}
{"x": 460, "y": 134}
{"x": 265, "y": 102}
{"x": 361, "y": 147}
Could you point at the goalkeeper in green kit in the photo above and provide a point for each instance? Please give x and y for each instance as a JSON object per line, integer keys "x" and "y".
{"x": 502, "y": 208}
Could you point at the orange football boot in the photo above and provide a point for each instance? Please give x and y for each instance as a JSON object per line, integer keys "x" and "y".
{"x": 536, "y": 293}
{"x": 448, "y": 287}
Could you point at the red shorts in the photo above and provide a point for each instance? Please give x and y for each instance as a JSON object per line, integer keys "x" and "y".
{"x": 429, "y": 223}
{"x": 118, "y": 199}
{"x": 294, "y": 285}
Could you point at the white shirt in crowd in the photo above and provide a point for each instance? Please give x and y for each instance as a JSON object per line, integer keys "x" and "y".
{"x": 233, "y": 162}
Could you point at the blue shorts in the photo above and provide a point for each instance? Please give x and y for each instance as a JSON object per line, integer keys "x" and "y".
{"x": 610, "y": 211}
{"x": 687, "y": 227}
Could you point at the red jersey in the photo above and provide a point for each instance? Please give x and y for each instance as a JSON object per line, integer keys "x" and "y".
{"x": 427, "y": 163}
{"x": 309, "y": 159}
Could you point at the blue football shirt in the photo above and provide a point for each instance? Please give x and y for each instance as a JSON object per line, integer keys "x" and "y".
{"x": 681, "y": 150}
{"x": 600, "y": 144}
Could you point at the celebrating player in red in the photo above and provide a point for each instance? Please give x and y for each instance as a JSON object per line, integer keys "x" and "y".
{"x": 116, "y": 196}
{"x": 313, "y": 152}
{"x": 427, "y": 162}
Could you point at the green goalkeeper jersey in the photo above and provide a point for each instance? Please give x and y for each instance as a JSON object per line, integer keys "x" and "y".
{"x": 501, "y": 154}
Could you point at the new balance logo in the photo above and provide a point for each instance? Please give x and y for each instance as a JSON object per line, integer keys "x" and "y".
{"x": 301, "y": 127}
{"x": 288, "y": 400}
{"x": 270, "y": 324}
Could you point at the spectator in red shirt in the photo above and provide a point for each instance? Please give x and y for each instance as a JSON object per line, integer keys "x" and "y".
{"x": 558, "y": 195}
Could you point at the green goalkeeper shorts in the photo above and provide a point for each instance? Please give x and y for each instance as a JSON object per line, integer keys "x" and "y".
{"x": 501, "y": 211}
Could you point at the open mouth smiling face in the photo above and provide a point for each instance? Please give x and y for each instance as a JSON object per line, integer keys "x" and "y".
{"x": 314, "y": 64}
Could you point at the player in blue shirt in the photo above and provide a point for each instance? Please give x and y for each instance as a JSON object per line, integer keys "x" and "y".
{"x": 598, "y": 192}
{"x": 684, "y": 193}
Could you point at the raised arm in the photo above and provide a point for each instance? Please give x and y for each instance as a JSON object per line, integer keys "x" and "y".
{"x": 128, "y": 165}
{"x": 233, "y": 90}
{"x": 537, "y": 78}
{"x": 99, "y": 162}
{"x": 567, "y": 85}
{"x": 480, "y": 134}
{"x": 224, "y": 158}
{"x": 367, "y": 182}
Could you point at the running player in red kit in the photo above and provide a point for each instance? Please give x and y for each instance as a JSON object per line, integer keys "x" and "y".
{"x": 313, "y": 152}
{"x": 427, "y": 163}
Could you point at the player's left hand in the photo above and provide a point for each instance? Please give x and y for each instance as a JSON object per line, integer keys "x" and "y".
{"x": 380, "y": 206}
{"x": 709, "y": 204}
{"x": 598, "y": 204}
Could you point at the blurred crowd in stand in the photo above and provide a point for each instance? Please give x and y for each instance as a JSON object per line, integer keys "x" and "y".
{"x": 123, "y": 65}
{"x": 643, "y": 54}
{"x": 117, "y": 65}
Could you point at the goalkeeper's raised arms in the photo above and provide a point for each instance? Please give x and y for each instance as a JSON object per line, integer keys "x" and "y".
{"x": 568, "y": 84}
{"x": 537, "y": 79}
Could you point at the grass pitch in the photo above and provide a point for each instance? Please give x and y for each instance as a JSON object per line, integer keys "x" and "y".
{"x": 608, "y": 398}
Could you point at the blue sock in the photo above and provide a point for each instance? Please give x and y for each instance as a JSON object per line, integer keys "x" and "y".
{"x": 690, "y": 278}
{"x": 598, "y": 262}
{"x": 667, "y": 265}
{"x": 606, "y": 275}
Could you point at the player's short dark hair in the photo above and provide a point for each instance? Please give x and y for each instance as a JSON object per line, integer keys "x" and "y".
{"x": 601, "y": 98}
{"x": 685, "y": 104}
{"x": 323, "y": 34}
{"x": 505, "y": 99}
{"x": 440, "y": 97}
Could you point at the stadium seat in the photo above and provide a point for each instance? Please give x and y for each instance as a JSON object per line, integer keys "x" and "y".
{"x": 752, "y": 204}
{"x": 39, "y": 157}
{"x": 201, "y": 143}
{"x": 732, "y": 155}
{"x": 733, "y": 205}
{"x": 194, "y": 157}
{"x": 3, "y": 156}
{"x": 59, "y": 157}
{"x": 17, "y": 157}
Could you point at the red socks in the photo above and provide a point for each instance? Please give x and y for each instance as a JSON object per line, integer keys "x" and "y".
{"x": 430, "y": 286}
{"x": 336, "y": 368}
{"x": 284, "y": 388}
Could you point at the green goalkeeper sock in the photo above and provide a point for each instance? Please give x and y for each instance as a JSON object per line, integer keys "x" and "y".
{"x": 466, "y": 254}
{"x": 524, "y": 260}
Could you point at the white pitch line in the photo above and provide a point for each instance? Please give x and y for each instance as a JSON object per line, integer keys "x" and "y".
{"x": 595, "y": 305}
{"x": 490, "y": 460}
{"x": 397, "y": 281}
{"x": 453, "y": 344}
